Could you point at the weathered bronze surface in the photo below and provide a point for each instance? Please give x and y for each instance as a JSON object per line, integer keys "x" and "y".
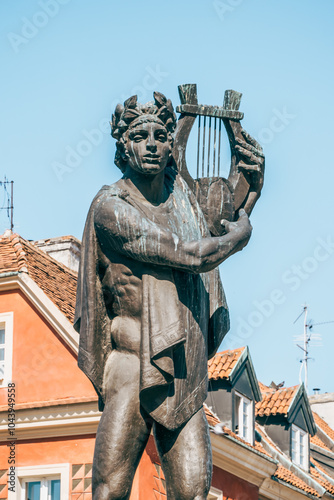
{"x": 150, "y": 307}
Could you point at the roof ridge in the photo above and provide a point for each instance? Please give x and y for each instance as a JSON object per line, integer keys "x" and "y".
{"x": 232, "y": 350}
{"x": 15, "y": 242}
{"x": 63, "y": 237}
{"x": 281, "y": 389}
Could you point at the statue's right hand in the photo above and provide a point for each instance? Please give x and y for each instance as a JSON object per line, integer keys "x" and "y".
{"x": 241, "y": 229}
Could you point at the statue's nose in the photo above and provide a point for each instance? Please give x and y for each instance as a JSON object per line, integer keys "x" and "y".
{"x": 151, "y": 144}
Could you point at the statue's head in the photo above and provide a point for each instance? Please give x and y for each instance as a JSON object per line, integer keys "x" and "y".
{"x": 144, "y": 134}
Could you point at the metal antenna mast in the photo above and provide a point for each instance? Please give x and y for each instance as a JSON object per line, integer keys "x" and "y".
{"x": 307, "y": 337}
{"x": 305, "y": 348}
{"x": 10, "y": 201}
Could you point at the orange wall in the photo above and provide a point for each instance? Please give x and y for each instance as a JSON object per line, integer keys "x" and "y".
{"x": 72, "y": 450}
{"x": 44, "y": 368}
{"x": 148, "y": 481}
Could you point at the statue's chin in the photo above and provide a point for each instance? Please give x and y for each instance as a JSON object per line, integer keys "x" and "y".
{"x": 149, "y": 168}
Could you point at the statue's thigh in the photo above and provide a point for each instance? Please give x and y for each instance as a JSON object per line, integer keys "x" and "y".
{"x": 122, "y": 433}
{"x": 186, "y": 458}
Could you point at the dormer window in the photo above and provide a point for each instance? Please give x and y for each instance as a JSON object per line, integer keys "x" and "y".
{"x": 299, "y": 446}
{"x": 244, "y": 417}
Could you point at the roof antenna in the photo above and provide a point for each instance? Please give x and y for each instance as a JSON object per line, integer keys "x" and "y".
{"x": 10, "y": 201}
{"x": 306, "y": 338}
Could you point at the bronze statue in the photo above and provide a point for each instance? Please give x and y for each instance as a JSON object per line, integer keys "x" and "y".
{"x": 150, "y": 307}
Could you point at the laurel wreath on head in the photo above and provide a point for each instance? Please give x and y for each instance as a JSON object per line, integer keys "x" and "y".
{"x": 123, "y": 117}
{"x": 126, "y": 116}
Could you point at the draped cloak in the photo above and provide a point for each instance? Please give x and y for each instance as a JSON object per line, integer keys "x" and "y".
{"x": 184, "y": 315}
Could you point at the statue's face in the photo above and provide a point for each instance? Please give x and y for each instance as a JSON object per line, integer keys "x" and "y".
{"x": 148, "y": 147}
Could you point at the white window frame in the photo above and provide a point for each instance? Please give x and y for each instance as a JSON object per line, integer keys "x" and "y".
{"x": 44, "y": 488}
{"x": 215, "y": 494}
{"x": 43, "y": 473}
{"x": 301, "y": 439}
{"x": 240, "y": 413}
{"x": 6, "y": 323}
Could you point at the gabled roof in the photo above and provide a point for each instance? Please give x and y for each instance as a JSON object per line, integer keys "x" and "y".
{"x": 58, "y": 282}
{"x": 222, "y": 364}
{"x": 285, "y": 402}
{"x": 227, "y": 365}
{"x": 275, "y": 402}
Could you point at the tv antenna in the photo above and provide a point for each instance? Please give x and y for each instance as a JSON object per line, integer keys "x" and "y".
{"x": 8, "y": 203}
{"x": 307, "y": 337}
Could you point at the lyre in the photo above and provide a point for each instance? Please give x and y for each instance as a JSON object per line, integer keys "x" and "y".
{"x": 231, "y": 193}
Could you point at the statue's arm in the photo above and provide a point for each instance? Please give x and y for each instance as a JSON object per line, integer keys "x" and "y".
{"x": 122, "y": 228}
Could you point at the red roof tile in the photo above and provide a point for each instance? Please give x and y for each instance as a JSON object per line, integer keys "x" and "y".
{"x": 12, "y": 256}
{"x": 317, "y": 474}
{"x": 211, "y": 418}
{"x": 288, "y": 477}
{"x": 275, "y": 402}
{"x": 222, "y": 364}
{"x": 323, "y": 426}
{"x": 318, "y": 442}
{"x": 57, "y": 281}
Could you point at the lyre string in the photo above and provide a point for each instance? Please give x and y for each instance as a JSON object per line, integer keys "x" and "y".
{"x": 207, "y": 135}
{"x": 198, "y": 144}
{"x": 203, "y": 155}
{"x": 214, "y": 147}
{"x": 209, "y": 148}
{"x": 219, "y": 141}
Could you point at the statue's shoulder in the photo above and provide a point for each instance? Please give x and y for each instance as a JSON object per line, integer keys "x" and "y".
{"x": 110, "y": 191}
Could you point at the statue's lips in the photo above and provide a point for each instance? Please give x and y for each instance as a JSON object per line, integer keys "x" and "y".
{"x": 151, "y": 158}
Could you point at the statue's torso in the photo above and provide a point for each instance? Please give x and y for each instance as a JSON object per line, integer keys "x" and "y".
{"x": 122, "y": 276}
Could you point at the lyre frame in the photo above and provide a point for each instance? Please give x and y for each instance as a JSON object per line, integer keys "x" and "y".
{"x": 230, "y": 115}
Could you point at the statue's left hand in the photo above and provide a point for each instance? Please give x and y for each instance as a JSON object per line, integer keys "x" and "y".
{"x": 251, "y": 160}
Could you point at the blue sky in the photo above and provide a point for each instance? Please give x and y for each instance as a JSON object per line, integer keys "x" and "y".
{"x": 66, "y": 63}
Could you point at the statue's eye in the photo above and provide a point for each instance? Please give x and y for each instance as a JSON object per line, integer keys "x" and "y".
{"x": 138, "y": 137}
{"x": 161, "y": 137}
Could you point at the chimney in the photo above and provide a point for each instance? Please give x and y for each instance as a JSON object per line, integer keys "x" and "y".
{"x": 64, "y": 249}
